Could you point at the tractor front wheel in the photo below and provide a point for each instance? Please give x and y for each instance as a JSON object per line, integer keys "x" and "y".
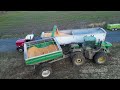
{"x": 100, "y": 58}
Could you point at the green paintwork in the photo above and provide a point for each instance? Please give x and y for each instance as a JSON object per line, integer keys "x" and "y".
{"x": 42, "y": 45}
{"x": 53, "y": 31}
{"x": 113, "y": 26}
{"x": 105, "y": 45}
{"x": 91, "y": 41}
{"x": 47, "y": 57}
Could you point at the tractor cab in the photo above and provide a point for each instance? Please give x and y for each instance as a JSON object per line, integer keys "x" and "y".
{"x": 91, "y": 46}
{"x": 90, "y": 43}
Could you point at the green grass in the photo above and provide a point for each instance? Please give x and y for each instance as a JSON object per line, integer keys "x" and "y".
{"x": 19, "y": 23}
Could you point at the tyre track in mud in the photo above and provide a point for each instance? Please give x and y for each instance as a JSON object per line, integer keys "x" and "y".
{"x": 8, "y": 45}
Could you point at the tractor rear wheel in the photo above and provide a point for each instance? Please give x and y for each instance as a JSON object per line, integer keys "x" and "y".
{"x": 78, "y": 59}
{"x": 100, "y": 58}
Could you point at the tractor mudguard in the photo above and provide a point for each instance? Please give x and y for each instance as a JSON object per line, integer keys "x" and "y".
{"x": 106, "y": 45}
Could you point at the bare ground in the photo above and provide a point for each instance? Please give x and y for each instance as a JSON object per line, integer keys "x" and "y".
{"x": 12, "y": 66}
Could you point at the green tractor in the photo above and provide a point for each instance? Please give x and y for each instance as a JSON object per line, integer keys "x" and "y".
{"x": 92, "y": 50}
{"x": 78, "y": 52}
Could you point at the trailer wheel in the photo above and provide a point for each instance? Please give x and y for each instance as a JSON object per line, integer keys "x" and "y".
{"x": 78, "y": 59}
{"x": 45, "y": 71}
{"x": 100, "y": 58}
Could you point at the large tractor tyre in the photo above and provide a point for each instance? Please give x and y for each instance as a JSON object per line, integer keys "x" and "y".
{"x": 45, "y": 71}
{"x": 20, "y": 49}
{"x": 100, "y": 58}
{"x": 78, "y": 59}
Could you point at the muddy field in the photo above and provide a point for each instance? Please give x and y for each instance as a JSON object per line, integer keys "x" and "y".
{"x": 13, "y": 67}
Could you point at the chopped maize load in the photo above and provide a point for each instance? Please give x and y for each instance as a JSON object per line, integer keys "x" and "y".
{"x": 34, "y": 51}
{"x": 57, "y": 33}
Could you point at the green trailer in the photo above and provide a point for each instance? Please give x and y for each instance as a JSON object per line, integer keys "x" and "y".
{"x": 113, "y": 27}
{"x": 42, "y": 61}
{"x": 44, "y": 57}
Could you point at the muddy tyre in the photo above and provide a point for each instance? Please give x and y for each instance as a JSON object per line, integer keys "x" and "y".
{"x": 45, "y": 71}
{"x": 78, "y": 59}
{"x": 100, "y": 58}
